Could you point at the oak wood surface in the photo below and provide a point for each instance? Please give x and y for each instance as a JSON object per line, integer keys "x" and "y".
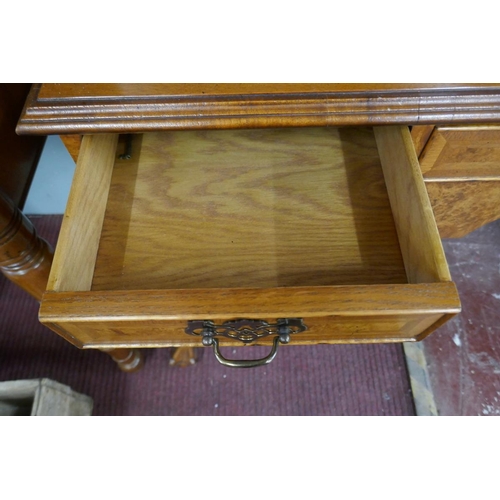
{"x": 282, "y": 207}
{"x": 461, "y": 167}
{"x": 334, "y": 314}
{"x": 458, "y": 153}
{"x": 421, "y": 246}
{"x": 95, "y": 108}
{"x": 228, "y": 303}
{"x": 463, "y": 207}
{"x": 336, "y": 330}
{"x": 458, "y": 208}
{"x": 76, "y": 250}
{"x": 420, "y": 135}
{"x": 232, "y": 224}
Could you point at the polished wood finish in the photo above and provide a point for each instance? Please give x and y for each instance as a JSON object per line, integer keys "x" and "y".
{"x": 81, "y": 227}
{"x": 18, "y": 155}
{"x": 282, "y": 207}
{"x": 421, "y": 247}
{"x": 25, "y": 258}
{"x": 461, "y": 167}
{"x": 96, "y": 108}
{"x": 73, "y": 144}
{"x": 50, "y": 91}
{"x": 226, "y": 304}
{"x": 337, "y": 330}
{"x": 230, "y": 224}
{"x": 157, "y": 318}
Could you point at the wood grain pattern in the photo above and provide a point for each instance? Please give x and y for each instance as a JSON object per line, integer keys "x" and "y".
{"x": 78, "y": 242}
{"x": 419, "y": 238}
{"x": 95, "y": 108}
{"x": 463, "y": 207}
{"x": 259, "y": 224}
{"x": 337, "y": 330}
{"x": 254, "y": 303}
{"x": 420, "y": 135}
{"x": 461, "y": 168}
{"x": 455, "y": 153}
{"x": 334, "y": 314}
{"x": 267, "y": 208}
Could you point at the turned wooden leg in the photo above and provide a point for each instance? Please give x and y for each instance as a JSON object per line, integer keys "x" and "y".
{"x": 183, "y": 356}
{"x": 25, "y": 259}
{"x": 128, "y": 360}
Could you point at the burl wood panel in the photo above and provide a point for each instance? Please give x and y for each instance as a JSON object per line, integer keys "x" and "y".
{"x": 249, "y": 208}
{"x": 95, "y": 108}
{"x": 461, "y": 169}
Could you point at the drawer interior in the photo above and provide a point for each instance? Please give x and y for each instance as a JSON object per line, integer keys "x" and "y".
{"x": 330, "y": 225}
{"x": 248, "y": 208}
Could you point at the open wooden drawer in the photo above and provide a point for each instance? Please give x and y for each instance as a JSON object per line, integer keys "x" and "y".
{"x": 330, "y": 228}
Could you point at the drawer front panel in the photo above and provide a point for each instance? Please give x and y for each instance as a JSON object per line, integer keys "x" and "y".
{"x": 334, "y": 330}
{"x": 332, "y": 314}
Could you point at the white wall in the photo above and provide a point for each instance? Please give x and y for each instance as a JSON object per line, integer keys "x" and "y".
{"x": 50, "y": 187}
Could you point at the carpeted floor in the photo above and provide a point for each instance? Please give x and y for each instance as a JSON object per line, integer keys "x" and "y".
{"x": 302, "y": 380}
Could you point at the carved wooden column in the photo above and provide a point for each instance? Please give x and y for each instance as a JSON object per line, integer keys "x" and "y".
{"x": 25, "y": 259}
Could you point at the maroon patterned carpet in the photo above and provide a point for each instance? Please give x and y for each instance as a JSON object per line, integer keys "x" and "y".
{"x": 318, "y": 380}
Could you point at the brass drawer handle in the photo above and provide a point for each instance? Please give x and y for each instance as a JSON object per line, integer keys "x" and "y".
{"x": 245, "y": 363}
{"x": 247, "y": 331}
